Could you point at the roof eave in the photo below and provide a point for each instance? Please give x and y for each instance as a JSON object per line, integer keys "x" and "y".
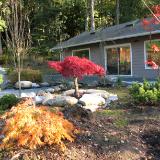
{"x": 80, "y": 44}
{"x": 132, "y": 36}
{"x": 108, "y": 39}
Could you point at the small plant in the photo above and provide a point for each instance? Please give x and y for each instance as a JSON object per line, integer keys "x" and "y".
{"x": 26, "y": 75}
{"x": 7, "y": 101}
{"x": 146, "y": 93}
{"x": 30, "y": 127}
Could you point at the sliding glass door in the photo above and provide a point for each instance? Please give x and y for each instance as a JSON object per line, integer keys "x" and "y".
{"x": 118, "y": 60}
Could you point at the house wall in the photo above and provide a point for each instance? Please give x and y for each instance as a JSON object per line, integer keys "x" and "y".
{"x": 138, "y": 59}
{"x": 138, "y": 56}
{"x": 97, "y": 55}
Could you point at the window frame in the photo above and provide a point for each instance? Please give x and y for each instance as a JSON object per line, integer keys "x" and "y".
{"x": 116, "y": 46}
{"x": 145, "y": 54}
{"x": 75, "y": 50}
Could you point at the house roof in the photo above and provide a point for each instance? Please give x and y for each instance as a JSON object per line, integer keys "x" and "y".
{"x": 121, "y": 31}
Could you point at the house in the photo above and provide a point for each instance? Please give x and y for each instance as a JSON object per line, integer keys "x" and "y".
{"x": 121, "y": 49}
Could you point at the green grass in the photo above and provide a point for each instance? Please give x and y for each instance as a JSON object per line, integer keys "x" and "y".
{"x": 122, "y": 92}
{"x": 113, "y": 113}
{"x": 116, "y": 112}
{"x": 117, "y": 116}
{"x": 120, "y": 123}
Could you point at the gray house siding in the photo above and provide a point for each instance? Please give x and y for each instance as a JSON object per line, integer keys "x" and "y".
{"x": 138, "y": 61}
{"x": 97, "y": 55}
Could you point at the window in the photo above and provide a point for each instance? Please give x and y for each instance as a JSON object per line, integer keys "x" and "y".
{"x": 118, "y": 60}
{"x": 81, "y": 53}
{"x": 150, "y": 54}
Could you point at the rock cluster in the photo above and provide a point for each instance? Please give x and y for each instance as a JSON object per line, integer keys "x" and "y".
{"x": 91, "y": 99}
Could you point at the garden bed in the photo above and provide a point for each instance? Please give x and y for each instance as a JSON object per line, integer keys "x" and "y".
{"x": 121, "y": 132}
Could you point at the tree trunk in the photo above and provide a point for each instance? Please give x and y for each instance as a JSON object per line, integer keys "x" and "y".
{"x": 0, "y": 45}
{"x": 19, "y": 75}
{"x": 87, "y": 16}
{"x": 76, "y": 93}
{"x": 92, "y": 15}
{"x": 117, "y": 12}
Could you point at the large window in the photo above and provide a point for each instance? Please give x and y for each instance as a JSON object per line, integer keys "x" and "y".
{"x": 82, "y": 53}
{"x": 118, "y": 60}
{"x": 150, "y": 53}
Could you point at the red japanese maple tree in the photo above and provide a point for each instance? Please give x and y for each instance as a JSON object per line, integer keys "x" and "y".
{"x": 147, "y": 25}
{"x": 76, "y": 68}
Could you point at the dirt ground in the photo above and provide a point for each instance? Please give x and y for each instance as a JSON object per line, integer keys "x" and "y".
{"x": 123, "y": 131}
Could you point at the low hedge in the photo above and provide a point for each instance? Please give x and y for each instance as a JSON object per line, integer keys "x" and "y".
{"x": 26, "y": 75}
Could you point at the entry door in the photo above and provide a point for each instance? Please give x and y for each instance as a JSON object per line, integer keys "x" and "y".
{"x": 118, "y": 60}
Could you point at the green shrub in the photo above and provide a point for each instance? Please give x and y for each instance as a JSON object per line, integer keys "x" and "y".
{"x": 1, "y": 78}
{"x": 157, "y": 84}
{"x": 26, "y": 75}
{"x": 146, "y": 93}
{"x": 9, "y": 70}
{"x": 4, "y": 59}
{"x": 135, "y": 88}
{"x": 7, "y": 101}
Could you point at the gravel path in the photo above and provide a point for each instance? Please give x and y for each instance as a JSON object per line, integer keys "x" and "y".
{"x": 14, "y": 91}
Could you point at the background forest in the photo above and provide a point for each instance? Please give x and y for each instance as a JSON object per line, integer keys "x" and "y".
{"x": 53, "y": 21}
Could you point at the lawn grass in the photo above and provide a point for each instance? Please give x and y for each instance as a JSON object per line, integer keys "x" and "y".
{"x": 116, "y": 111}
{"x": 122, "y": 92}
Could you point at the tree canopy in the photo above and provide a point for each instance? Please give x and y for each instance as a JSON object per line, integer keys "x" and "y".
{"x": 52, "y": 21}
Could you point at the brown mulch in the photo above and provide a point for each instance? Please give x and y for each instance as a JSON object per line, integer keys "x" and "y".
{"x": 100, "y": 139}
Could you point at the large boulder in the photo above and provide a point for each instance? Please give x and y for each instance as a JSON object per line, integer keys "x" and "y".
{"x": 24, "y": 84}
{"x": 28, "y": 95}
{"x": 41, "y": 93}
{"x": 91, "y": 99}
{"x": 61, "y": 101}
{"x": 111, "y": 98}
{"x": 35, "y": 85}
{"x": 104, "y": 95}
{"x": 47, "y": 98}
{"x": 101, "y": 93}
{"x": 50, "y": 90}
{"x": 57, "y": 88}
{"x": 89, "y": 91}
{"x": 71, "y": 92}
{"x": 44, "y": 84}
{"x": 39, "y": 99}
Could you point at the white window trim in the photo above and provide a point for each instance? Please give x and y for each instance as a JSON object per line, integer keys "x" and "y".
{"x": 145, "y": 55}
{"x": 114, "y": 46}
{"x": 82, "y": 50}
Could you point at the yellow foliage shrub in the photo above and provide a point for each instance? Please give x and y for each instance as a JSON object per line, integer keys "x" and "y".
{"x": 31, "y": 127}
